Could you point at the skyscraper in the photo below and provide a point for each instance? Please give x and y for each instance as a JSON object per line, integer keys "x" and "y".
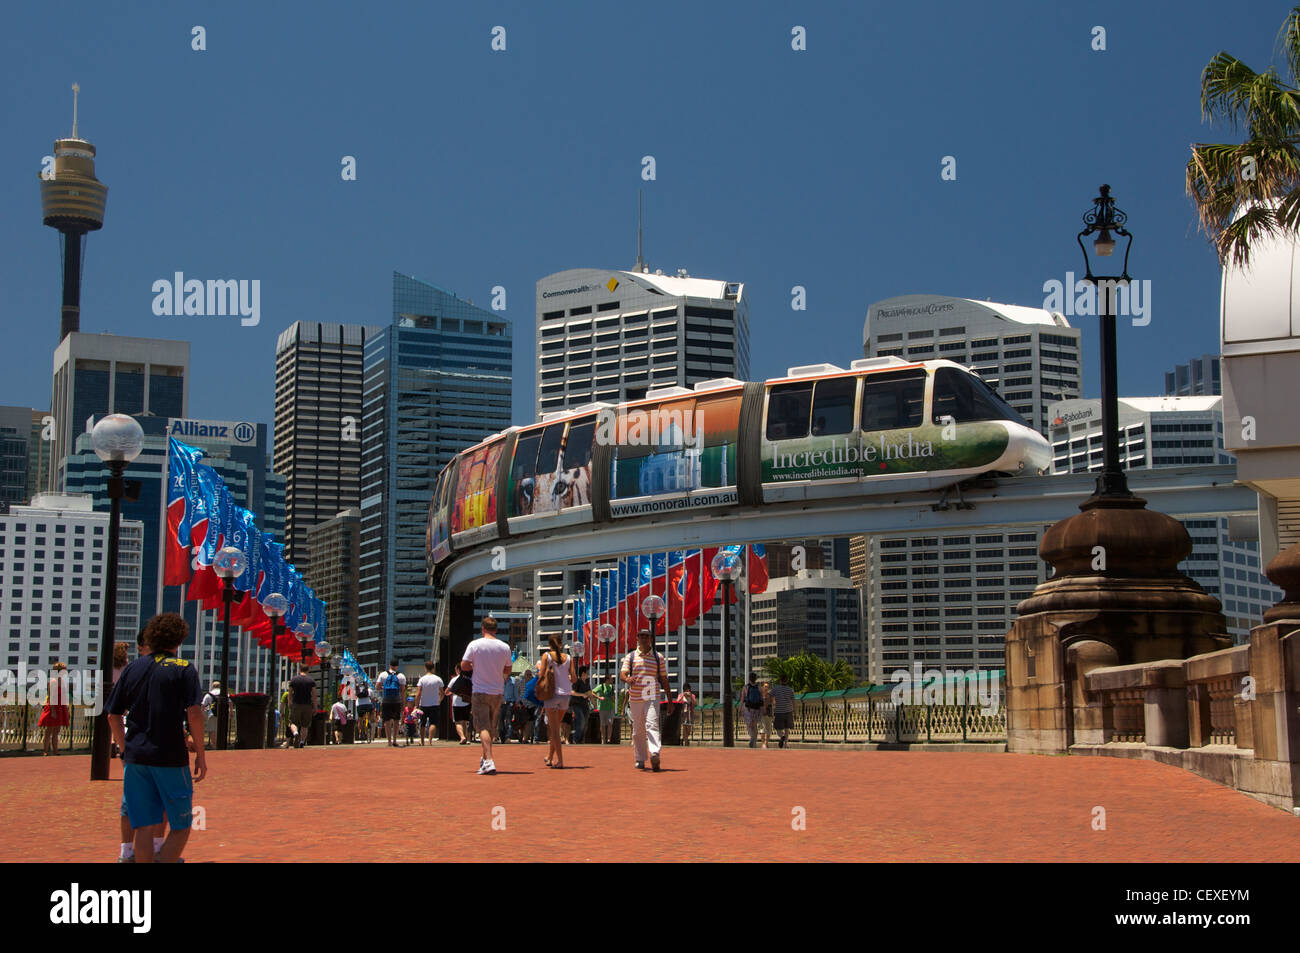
{"x": 335, "y": 559}
{"x": 1030, "y": 356}
{"x": 947, "y": 600}
{"x": 436, "y": 381}
{"x": 1197, "y": 378}
{"x": 318, "y": 425}
{"x": 52, "y": 561}
{"x": 611, "y": 336}
{"x": 108, "y": 374}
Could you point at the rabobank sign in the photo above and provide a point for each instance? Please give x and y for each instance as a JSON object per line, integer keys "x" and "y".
{"x": 229, "y": 431}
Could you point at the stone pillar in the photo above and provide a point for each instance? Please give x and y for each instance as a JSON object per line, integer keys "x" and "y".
{"x": 1275, "y": 671}
{"x": 1116, "y": 583}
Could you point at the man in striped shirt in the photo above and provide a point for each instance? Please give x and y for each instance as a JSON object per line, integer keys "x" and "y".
{"x": 645, "y": 673}
{"x": 783, "y": 707}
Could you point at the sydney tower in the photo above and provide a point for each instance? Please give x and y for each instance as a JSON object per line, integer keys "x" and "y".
{"x": 72, "y": 201}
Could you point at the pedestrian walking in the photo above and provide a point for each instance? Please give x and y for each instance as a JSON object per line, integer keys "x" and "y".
{"x": 580, "y": 705}
{"x": 765, "y": 723}
{"x": 687, "y": 700}
{"x": 429, "y": 693}
{"x": 783, "y": 708}
{"x": 555, "y": 688}
{"x": 365, "y": 711}
{"x": 302, "y": 705}
{"x": 126, "y": 854}
{"x": 509, "y": 701}
{"x": 159, "y": 693}
{"x": 57, "y": 713}
{"x": 210, "y": 702}
{"x": 753, "y": 708}
{"x": 605, "y": 694}
{"x": 534, "y": 706}
{"x": 645, "y": 673}
{"x": 486, "y": 657}
{"x": 460, "y": 708}
{"x": 411, "y": 720}
{"x": 391, "y": 686}
{"x": 339, "y": 718}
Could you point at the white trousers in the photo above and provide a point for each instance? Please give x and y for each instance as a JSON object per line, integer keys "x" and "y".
{"x": 645, "y": 728}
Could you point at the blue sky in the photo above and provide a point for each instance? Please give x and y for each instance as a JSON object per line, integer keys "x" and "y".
{"x": 478, "y": 168}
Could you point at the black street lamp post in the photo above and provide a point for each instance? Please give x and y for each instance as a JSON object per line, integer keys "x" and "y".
{"x": 727, "y": 568}
{"x": 229, "y": 564}
{"x": 1103, "y": 219}
{"x": 117, "y": 440}
{"x": 276, "y": 605}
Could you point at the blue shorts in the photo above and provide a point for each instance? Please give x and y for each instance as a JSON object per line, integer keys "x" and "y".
{"x": 149, "y": 792}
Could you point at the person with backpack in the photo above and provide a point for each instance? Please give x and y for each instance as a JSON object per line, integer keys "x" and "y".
{"x": 365, "y": 711}
{"x": 753, "y": 708}
{"x": 645, "y": 673}
{"x": 391, "y": 686}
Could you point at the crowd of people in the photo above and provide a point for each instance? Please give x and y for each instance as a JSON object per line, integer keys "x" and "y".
{"x": 158, "y": 715}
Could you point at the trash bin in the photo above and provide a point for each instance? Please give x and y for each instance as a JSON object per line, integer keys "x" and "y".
{"x": 348, "y": 732}
{"x": 672, "y": 728}
{"x": 316, "y": 734}
{"x": 250, "y": 720}
{"x": 593, "y": 728}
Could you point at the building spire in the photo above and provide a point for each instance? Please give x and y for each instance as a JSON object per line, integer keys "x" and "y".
{"x": 640, "y": 262}
{"x": 76, "y": 88}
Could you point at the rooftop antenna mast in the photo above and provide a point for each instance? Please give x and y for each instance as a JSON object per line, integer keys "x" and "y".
{"x": 640, "y": 262}
{"x": 76, "y": 88}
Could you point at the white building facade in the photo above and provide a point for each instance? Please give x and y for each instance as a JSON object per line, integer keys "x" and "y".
{"x": 53, "y": 555}
{"x": 611, "y": 336}
{"x": 946, "y": 600}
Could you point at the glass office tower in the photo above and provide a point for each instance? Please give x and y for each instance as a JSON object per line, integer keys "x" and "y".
{"x": 436, "y": 381}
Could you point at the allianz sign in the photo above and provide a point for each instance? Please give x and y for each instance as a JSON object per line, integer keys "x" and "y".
{"x": 241, "y": 432}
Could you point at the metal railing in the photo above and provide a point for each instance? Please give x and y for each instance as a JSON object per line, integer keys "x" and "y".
{"x": 19, "y": 730}
{"x": 858, "y": 717}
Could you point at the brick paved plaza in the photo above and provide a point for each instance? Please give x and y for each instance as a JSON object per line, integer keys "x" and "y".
{"x": 375, "y": 803}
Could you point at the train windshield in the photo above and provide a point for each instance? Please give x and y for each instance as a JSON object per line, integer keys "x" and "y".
{"x": 965, "y": 398}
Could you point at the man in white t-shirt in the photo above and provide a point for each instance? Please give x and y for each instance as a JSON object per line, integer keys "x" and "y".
{"x": 428, "y": 698}
{"x": 485, "y": 658}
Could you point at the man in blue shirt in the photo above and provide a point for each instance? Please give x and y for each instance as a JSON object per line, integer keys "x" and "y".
{"x": 508, "y": 701}
{"x": 534, "y": 706}
{"x": 159, "y": 692}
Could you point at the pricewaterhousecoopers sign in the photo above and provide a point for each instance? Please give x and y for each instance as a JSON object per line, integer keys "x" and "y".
{"x": 240, "y": 432}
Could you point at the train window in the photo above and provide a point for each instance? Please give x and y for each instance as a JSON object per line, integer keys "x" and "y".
{"x": 965, "y": 397}
{"x": 548, "y": 451}
{"x": 893, "y": 401}
{"x": 832, "y": 409}
{"x": 524, "y": 465}
{"x": 577, "y": 450}
{"x": 788, "y": 406}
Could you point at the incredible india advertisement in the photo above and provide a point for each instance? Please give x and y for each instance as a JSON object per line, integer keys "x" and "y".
{"x": 853, "y": 456}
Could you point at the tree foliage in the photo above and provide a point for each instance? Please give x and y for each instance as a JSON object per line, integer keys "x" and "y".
{"x": 809, "y": 673}
{"x": 1248, "y": 192}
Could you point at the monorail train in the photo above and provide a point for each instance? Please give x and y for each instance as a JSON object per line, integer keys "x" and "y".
{"x": 884, "y": 425}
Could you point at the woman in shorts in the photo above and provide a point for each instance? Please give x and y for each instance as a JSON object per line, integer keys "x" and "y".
{"x": 460, "y": 716}
{"x": 558, "y": 704}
